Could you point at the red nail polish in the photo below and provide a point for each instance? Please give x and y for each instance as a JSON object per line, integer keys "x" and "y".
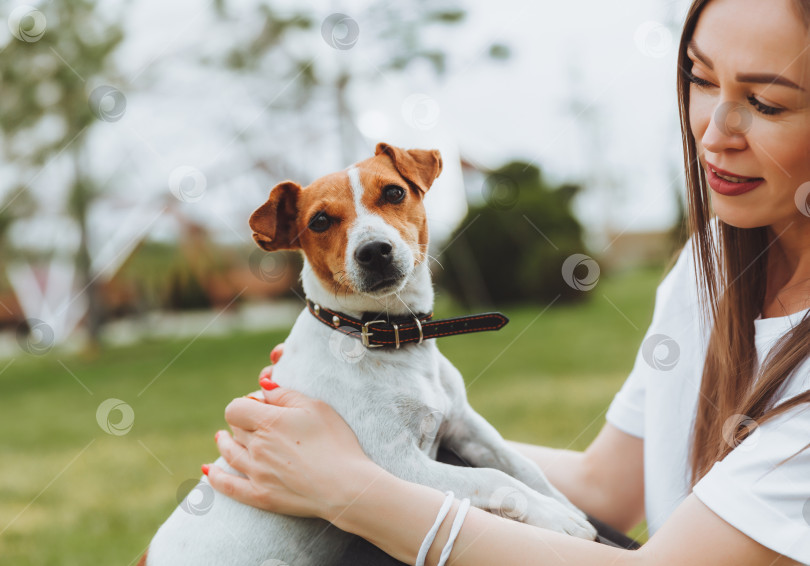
{"x": 268, "y": 384}
{"x": 275, "y": 354}
{"x": 205, "y": 468}
{"x": 216, "y": 436}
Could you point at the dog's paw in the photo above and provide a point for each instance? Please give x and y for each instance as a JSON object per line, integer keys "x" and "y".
{"x": 543, "y": 511}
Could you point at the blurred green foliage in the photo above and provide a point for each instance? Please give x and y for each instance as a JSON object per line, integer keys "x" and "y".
{"x": 511, "y": 248}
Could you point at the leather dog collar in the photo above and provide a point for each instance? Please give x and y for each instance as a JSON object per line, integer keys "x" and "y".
{"x": 377, "y": 331}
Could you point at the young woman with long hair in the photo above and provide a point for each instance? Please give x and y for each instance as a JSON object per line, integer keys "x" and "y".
{"x": 712, "y": 447}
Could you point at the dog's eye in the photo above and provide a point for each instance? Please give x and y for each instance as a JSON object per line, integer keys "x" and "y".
{"x": 393, "y": 194}
{"x": 320, "y": 222}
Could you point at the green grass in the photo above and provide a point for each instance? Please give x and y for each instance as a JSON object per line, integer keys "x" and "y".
{"x": 72, "y": 494}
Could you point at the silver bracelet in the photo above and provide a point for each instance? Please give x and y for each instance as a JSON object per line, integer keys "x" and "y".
{"x": 445, "y": 508}
{"x": 460, "y": 515}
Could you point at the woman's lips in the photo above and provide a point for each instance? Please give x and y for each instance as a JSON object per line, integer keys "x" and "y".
{"x": 729, "y": 188}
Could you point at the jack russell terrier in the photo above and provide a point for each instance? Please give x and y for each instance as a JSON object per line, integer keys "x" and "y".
{"x": 363, "y": 233}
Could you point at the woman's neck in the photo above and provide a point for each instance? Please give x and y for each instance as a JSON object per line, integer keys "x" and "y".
{"x": 788, "y": 276}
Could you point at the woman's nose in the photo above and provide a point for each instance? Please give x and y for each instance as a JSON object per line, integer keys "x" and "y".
{"x": 728, "y": 127}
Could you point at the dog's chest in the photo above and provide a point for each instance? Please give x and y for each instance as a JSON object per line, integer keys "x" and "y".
{"x": 390, "y": 398}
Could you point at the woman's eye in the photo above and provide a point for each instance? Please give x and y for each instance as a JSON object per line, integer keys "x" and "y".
{"x": 764, "y": 108}
{"x": 697, "y": 80}
{"x": 752, "y": 100}
{"x": 393, "y": 194}
{"x": 320, "y": 222}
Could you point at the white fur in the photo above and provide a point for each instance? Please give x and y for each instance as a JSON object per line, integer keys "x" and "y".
{"x": 402, "y": 404}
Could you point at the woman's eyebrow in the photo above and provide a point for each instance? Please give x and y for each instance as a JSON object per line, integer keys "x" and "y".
{"x": 758, "y": 78}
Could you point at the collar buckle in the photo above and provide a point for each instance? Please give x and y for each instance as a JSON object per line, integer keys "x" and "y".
{"x": 364, "y": 334}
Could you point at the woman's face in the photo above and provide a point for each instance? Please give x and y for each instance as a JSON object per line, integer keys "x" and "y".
{"x": 749, "y": 109}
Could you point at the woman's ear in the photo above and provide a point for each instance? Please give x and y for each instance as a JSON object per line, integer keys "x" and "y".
{"x": 419, "y": 166}
{"x": 274, "y": 222}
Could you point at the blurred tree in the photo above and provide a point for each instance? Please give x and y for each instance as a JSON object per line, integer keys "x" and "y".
{"x": 394, "y": 35}
{"x": 512, "y": 248}
{"x": 56, "y": 52}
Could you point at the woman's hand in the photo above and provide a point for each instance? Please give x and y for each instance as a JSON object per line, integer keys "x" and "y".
{"x": 300, "y": 457}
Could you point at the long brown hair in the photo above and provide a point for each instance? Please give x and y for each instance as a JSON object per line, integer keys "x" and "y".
{"x": 732, "y": 277}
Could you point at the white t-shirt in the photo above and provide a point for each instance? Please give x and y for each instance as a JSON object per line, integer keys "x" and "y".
{"x": 769, "y": 503}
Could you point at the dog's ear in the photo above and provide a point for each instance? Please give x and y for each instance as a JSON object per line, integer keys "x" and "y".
{"x": 419, "y": 166}
{"x": 273, "y": 223}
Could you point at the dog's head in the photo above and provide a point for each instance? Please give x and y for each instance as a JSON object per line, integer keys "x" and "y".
{"x": 363, "y": 230}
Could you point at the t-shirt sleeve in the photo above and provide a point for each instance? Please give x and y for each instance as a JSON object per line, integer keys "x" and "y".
{"x": 762, "y": 488}
{"x": 626, "y": 411}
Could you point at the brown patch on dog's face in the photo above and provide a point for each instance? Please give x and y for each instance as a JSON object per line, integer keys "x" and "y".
{"x": 326, "y": 250}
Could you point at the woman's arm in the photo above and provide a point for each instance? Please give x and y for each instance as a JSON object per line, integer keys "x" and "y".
{"x": 383, "y": 503}
{"x": 606, "y": 481}
{"x": 301, "y": 458}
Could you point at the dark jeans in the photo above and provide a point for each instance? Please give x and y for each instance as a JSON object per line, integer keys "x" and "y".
{"x": 363, "y": 553}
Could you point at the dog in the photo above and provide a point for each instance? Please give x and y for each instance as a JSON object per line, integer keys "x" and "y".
{"x": 363, "y": 233}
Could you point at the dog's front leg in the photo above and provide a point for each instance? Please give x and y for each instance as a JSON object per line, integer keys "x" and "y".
{"x": 497, "y": 492}
{"x": 477, "y": 443}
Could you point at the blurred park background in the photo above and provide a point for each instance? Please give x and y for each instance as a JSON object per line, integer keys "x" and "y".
{"x": 137, "y": 137}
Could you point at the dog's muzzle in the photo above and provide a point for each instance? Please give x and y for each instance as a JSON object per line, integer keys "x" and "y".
{"x": 378, "y": 269}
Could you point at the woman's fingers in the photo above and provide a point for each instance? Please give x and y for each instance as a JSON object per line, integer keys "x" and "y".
{"x": 250, "y": 415}
{"x": 233, "y": 486}
{"x": 275, "y": 354}
{"x": 283, "y": 397}
{"x": 267, "y": 372}
{"x": 233, "y": 451}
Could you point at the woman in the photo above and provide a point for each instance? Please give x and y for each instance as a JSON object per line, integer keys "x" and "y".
{"x": 712, "y": 448}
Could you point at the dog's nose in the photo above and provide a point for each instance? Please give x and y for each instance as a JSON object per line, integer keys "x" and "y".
{"x": 376, "y": 255}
